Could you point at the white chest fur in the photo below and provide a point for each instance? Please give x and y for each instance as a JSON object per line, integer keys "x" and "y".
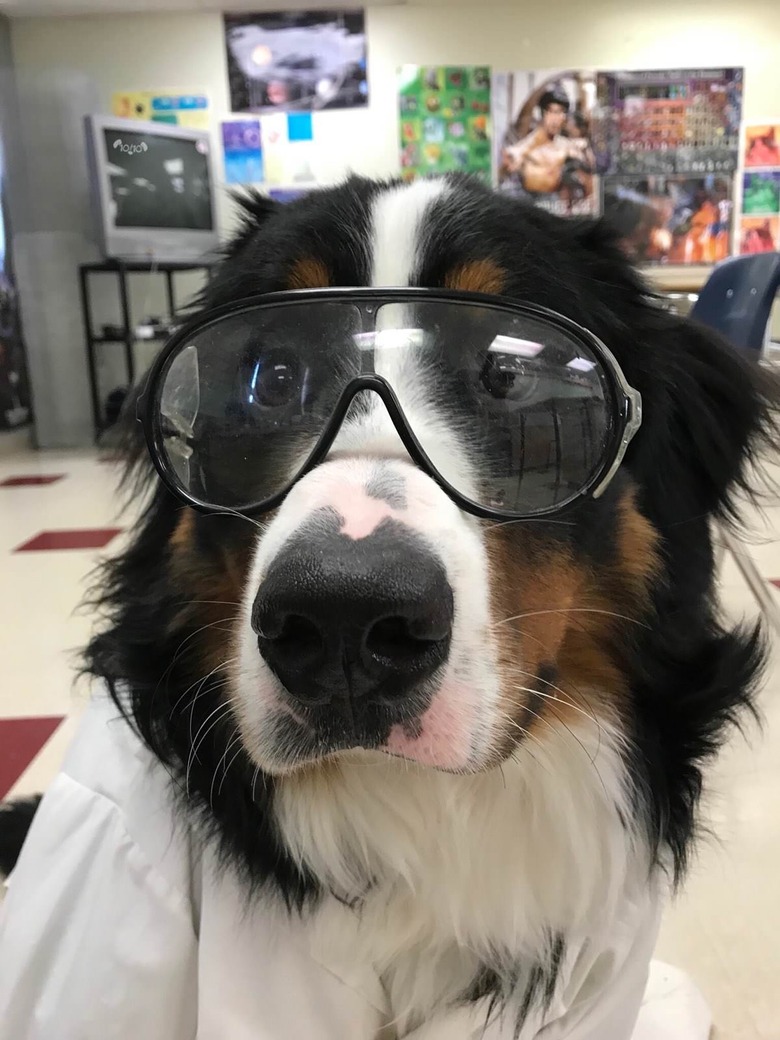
{"x": 447, "y": 873}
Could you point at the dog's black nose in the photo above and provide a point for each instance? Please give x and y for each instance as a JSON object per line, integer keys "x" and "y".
{"x": 366, "y": 619}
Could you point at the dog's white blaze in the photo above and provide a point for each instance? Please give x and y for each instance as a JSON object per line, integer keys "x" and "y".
{"x": 397, "y": 219}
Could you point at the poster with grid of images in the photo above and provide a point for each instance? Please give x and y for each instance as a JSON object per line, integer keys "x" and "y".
{"x": 444, "y": 120}
{"x": 667, "y": 144}
{"x": 668, "y": 121}
{"x": 759, "y": 224}
{"x": 543, "y": 147}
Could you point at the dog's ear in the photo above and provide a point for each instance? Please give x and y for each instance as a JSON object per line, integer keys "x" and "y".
{"x": 236, "y": 274}
{"x": 710, "y": 418}
{"x": 710, "y": 412}
{"x": 254, "y": 210}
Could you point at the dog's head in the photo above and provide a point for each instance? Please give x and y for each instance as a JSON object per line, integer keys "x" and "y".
{"x": 368, "y": 612}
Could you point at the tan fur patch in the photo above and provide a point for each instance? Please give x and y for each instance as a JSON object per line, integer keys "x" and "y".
{"x": 211, "y": 589}
{"x": 308, "y": 273}
{"x": 564, "y": 616}
{"x": 484, "y": 276}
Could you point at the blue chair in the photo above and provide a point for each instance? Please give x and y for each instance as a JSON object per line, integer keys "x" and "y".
{"x": 737, "y": 299}
{"x": 737, "y": 302}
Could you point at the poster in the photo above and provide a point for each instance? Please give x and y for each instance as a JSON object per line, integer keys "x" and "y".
{"x": 296, "y": 61}
{"x": 187, "y": 110}
{"x": 444, "y": 120}
{"x": 671, "y": 219}
{"x": 242, "y": 144}
{"x": 759, "y": 234}
{"x": 543, "y": 138}
{"x": 761, "y": 192}
{"x": 759, "y": 225}
{"x": 289, "y": 153}
{"x": 668, "y": 121}
{"x": 762, "y": 145}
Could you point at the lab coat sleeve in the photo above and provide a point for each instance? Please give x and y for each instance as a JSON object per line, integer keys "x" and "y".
{"x": 96, "y": 943}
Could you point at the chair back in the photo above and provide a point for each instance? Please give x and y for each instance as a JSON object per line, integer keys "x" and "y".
{"x": 737, "y": 299}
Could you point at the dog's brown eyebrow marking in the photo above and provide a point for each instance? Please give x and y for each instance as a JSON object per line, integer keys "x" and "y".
{"x": 308, "y": 272}
{"x": 388, "y": 487}
{"x": 476, "y": 276}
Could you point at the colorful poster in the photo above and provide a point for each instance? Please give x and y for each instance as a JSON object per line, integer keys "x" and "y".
{"x": 290, "y": 156}
{"x": 187, "y": 110}
{"x": 762, "y": 145}
{"x": 761, "y": 192}
{"x": 296, "y": 61}
{"x": 671, "y": 220}
{"x": 543, "y": 147}
{"x": 444, "y": 120}
{"x": 759, "y": 225}
{"x": 759, "y": 234}
{"x": 668, "y": 121}
{"x": 242, "y": 143}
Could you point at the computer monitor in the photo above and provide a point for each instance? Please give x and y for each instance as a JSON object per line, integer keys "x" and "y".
{"x": 152, "y": 189}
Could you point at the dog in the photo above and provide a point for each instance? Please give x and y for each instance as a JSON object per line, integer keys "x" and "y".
{"x": 457, "y": 756}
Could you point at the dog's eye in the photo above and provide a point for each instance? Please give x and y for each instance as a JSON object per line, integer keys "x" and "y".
{"x": 274, "y": 380}
{"x": 504, "y": 377}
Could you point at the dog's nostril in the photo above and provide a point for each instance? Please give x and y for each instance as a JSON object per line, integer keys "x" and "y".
{"x": 292, "y": 639}
{"x": 400, "y": 640}
{"x": 391, "y": 638}
{"x": 300, "y": 634}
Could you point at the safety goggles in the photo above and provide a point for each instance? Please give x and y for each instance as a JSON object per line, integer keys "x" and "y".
{"x": 512, "y": 409}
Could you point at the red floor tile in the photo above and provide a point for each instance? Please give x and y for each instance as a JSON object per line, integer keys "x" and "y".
{"x": 51, "y": 478}
{"x": 20, "y": 742}
{"x": 88, "y": 538}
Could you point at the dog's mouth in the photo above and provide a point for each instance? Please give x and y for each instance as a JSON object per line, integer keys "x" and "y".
{"x": 432, "y": 728}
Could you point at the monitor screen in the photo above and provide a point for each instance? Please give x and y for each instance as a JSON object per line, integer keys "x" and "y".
{"x": 158, "y": 181}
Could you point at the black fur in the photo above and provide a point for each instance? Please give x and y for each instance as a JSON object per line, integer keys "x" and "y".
{"x": 707, "y": 413}
{"x": 15, "y": 820}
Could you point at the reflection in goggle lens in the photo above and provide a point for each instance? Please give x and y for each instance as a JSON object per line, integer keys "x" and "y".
{"x": 511, "y": 410}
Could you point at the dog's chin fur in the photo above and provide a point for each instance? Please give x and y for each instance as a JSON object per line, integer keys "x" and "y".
{"x": 408, "y": 846}
{"x": 470, "y": 883}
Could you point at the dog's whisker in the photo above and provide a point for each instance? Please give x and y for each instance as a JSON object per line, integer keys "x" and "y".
{"x": 570, "y": 610}
{"x": 527, "y": 689}
{"x": 221, "y": 711}
{"x": 197, "y": 632}
{"x": 255, "y": 775}
{"x": 210, "y": 687}
{"x": 568, "y": 699}
{"x": 234, "y": 740}
{"x": 492, "y": 525}
{"x": 200, "y": 679}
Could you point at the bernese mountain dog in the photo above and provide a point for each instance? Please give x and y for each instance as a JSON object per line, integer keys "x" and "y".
{"x": 418, "y": 625}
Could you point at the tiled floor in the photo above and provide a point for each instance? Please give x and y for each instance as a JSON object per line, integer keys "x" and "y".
{"x": 724, "y": 929}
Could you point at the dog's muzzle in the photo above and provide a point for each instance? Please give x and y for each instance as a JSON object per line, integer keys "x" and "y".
{"x": 348, "y": 624}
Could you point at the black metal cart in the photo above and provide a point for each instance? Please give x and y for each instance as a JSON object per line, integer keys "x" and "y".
{"x": 121, "y": 269}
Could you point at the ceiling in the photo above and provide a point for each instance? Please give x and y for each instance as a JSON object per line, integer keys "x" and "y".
{"x": 61, "y": 8}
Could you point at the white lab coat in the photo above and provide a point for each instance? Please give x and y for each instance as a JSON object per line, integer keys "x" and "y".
{"x": 117, "y": 925}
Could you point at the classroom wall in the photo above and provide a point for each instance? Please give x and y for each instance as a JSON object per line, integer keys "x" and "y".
{"x": 86, "y": 59}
